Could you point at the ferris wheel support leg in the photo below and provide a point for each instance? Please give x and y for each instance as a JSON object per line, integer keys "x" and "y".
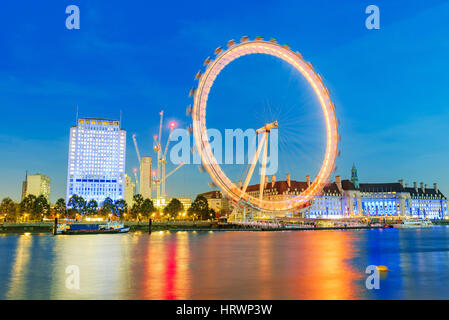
{"x": 264, "y": 166}
{"x": 253, "y": 164}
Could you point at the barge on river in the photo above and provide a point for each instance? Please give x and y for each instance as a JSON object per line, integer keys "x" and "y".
{"x": 87, "y": 228}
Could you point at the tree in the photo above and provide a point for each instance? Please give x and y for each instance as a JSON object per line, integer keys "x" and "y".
{"x": 137, "y": 205}
{"x": 120, "y": 207}
{"x": 108, "y": 206}
{"x": 60, "y": 207}
{"x": 200, "y": 208}
{"x": 73, "y": 202}
{"x": 77, "y": 203}
{"x": 71, "y": 213}
{"x": 41, "y": 207}
{"x": 212, "y": 214}
{"x": 174, "y": 208}
{"x": 8, "y": 210}
{"x": 27, "y": 204}
{"x": 92, "y": 207}
{"x": 147, "y": 208}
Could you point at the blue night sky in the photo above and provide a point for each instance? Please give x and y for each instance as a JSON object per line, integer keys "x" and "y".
{"x": 390, "y": 86}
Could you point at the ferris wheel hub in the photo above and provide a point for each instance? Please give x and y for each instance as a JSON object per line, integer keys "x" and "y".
{"x": 268, "y": 127}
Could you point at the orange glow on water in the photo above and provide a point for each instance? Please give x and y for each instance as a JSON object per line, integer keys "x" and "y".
{"x": 325, "y": 274}
{"x": 167, "y": 273}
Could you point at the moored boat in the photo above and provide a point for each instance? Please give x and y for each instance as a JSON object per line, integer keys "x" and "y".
{"x": 87, "y": 228}
{"x": 413, "y": 223}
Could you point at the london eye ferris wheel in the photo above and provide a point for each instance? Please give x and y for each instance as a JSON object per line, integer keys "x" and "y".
{"x": 238, "y": 192}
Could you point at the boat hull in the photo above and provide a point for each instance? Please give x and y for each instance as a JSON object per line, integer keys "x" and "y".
{"x": 78, "y": 232}
{"x": 402, "y": 226}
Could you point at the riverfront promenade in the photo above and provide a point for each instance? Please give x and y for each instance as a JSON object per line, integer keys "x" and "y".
{"x": 47, "y": 227}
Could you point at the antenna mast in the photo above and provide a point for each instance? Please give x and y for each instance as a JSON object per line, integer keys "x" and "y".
{"x": 76, "y": 120}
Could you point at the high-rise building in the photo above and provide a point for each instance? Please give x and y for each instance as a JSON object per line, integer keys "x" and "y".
{"x": 96, "y": 166}
{"x": 145, "y": 177}
{"x": 130, "y": 188}
{"x": 36, "y": 184}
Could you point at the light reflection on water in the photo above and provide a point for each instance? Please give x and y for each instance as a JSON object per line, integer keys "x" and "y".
{"x": 228, "y": 265}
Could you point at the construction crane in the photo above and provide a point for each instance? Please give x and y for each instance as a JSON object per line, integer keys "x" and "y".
{"x": 161, "y": 176}
{"x": 174, "y": 170}
{"x": 138, "y": 157}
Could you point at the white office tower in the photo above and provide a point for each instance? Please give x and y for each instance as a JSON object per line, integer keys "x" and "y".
{"x": 145, "y": 177}
{"x": 96, "y": 168}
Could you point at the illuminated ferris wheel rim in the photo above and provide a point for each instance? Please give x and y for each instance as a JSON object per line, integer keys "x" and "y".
{"x": 201, "y": 94}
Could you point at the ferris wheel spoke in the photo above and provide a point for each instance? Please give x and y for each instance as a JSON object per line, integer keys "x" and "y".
{"x": 264, "y": 166}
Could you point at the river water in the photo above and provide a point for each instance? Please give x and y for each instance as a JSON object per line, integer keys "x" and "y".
{"x": 227, "y": 265}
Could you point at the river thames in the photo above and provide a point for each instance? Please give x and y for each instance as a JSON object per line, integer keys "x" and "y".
{"x": 228, "y": 265}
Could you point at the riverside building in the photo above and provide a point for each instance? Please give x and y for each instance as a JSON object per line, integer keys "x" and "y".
{"x": 130, "y": 190}
{"x": 96, "y": 166}
{"x": 37, "y": 185}
{"x": 349, "y": 198}
{"x": 216, "y": 201}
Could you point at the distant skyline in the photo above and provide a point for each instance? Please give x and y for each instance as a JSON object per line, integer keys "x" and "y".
{"x": 390, "y": 86}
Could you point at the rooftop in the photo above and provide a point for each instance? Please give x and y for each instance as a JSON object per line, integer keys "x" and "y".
{"x": 101, "y": 119}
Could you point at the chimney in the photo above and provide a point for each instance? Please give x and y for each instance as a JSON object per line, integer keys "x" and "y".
{"x": 338, "y": 182}
{"x": 308, "y": 180}
{"x": 415, "y": 185}
{"x": 273, "y": 180}
{"x": 422, "y": 186}
{"x": 401, "y": 182}
{"x": 288, "y": 180}
{"x": 266, "y": 182}
{"x": 240, "y": 184}
{"x": 435, "y": 187}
